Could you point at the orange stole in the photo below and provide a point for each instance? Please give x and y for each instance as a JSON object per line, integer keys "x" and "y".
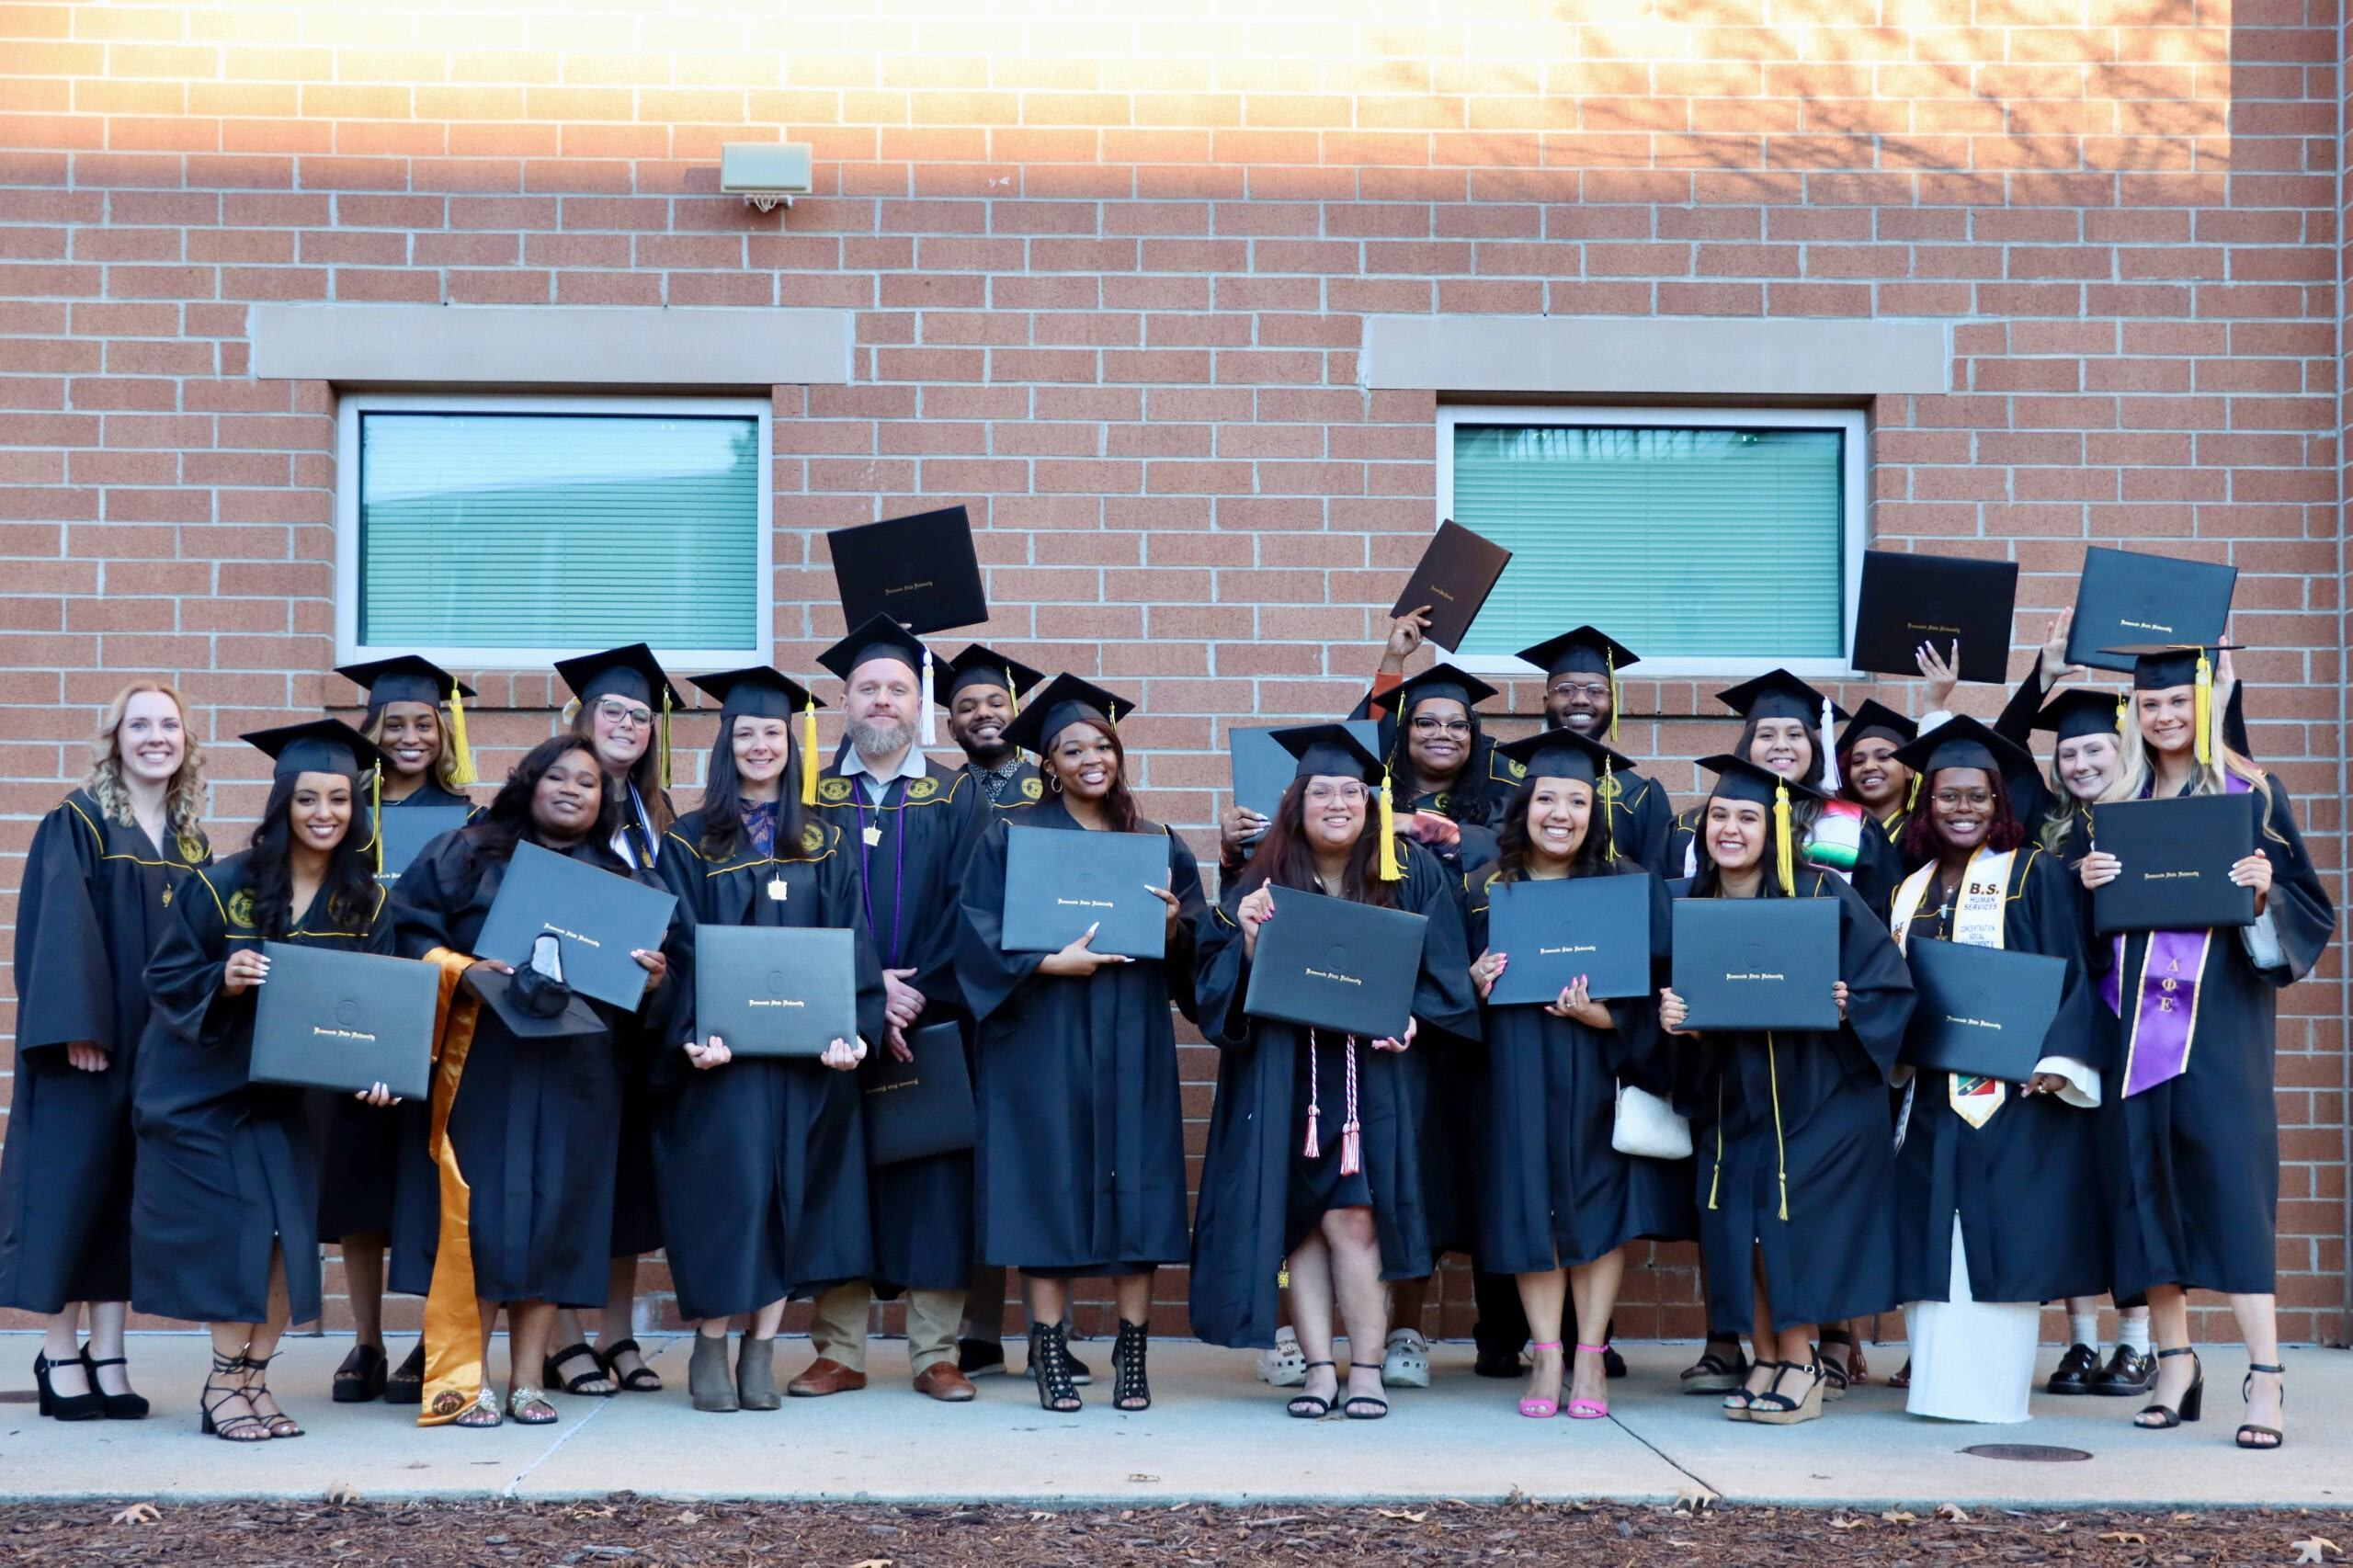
{"x": 453, "y": 1369}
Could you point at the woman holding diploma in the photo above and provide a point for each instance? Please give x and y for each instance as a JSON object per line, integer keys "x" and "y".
{"x": 526, "y": 1097}
{"x": 224, "y": 1217}
{"x": 1995, "y": 1180}
{"x": 99, "y": 881}
{"x": 1080, "y": 1161}
{"x": 1557, "y": 1202}
{"x": 1792, "y": 1126}
{"x": 2199, "y": 1130}
{"x": 1323, "y": 1193}
{"x": 760, "y": 1161}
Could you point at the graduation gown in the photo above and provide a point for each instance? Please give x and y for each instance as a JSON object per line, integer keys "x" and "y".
{"x": 536, "y": 1122}
{"x": 1878, "y": 868}
{"x": 2026, "y": 1187}
{"x": 1080, "y": 1163}
{"x": 637, "y": 1222}
{"x": 923, "y": 1211}
{"x": 760, "y": 1165}
{"x": 96, "y": 903}
{"x": 2198, "y": 1156}
{"x": 1026, "y": 786}
{"x": 1246, "y": 1222}
{"x": 1802, "y": 1118}
{"x": 1552, "y": 1190}
{"x": 226, "y": 1167}
{"x": 360, "y": 1146}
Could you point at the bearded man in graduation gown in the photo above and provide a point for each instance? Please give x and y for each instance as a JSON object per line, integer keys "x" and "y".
{"x": 910, "y": 822}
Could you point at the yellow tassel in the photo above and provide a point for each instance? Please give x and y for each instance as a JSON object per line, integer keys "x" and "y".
{"x": 462, "y": 751}
{"x": 2124, "y": 715}
{"x": 1607, "y": 802}
{"x": 1390, "y": 871}
{"x": 1911, "y": 798}
{"x": 376, "y": 810}
{"x": 2204, "y": 711}
{"x": 1716, "y": 1177}
{"x": 1012, "y": 695}
{"x": 1780, "y": 1149}
{"x": 1784, "y": 848}
{"x": 809, "y": 752}
{"x": 1609, "y": 662}
{"x": 666, "y": 739}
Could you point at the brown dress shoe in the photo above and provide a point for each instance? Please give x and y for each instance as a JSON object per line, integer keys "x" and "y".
{"x": 824, "y": 1376}
{"x": 942, "y": 1381}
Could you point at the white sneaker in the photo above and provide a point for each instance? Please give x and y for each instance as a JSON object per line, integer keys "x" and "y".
{"x": 1405, "y": 1359}
{"x": 1285, "y": 1366}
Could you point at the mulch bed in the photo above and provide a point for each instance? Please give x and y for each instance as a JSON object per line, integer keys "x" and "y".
{"x": 626, "y": 1529}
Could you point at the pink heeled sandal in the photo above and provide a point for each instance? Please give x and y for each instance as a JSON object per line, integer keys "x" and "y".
{"x": 1542, "y": 1409}
{"x": 1589, "y": 1409}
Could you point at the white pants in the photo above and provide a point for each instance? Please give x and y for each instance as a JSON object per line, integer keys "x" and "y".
{"x": 1971, "y": 1361}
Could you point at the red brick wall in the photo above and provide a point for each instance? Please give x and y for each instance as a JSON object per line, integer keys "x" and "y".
{"x": 1110, "y": 281}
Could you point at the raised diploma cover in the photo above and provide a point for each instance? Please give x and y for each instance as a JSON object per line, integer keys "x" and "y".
{"x": 2129, "y": 599}
{"x": 1456, "y": 575}
{"x": 775, "y": 990}
{"x": 408, "y": 829}
{"x": 1057, "y": 884}
{"x": 921, "y": 570}
{"x": 2177, "y": 857}
{"x": 1910, "y": 599}
{"x": 1983, "y": 1011}
{"x": 1757, "y": 963}
{"x": 1263, "y": 770}
{"x": 1554, "y": 931}
{"x": 1337, "y": 965}
{"x": 599, "y": 917}
{"x": 915, "y": 1109}
{"x": 328, "y": 1020}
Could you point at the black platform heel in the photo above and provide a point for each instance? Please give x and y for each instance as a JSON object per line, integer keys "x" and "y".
{"x": 2193, "y": 1403}
{"x": 1130, "y": 1390}
{"x": 128, "y": 1406}
{"x": 65, "y": 1406}
{"x": 1049, "y": 1354}
{"x": 2249, "y": 1429}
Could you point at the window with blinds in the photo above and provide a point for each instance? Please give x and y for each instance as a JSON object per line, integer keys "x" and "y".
{"x": 508, "y": 530}
{"x": 1684, "y": 543}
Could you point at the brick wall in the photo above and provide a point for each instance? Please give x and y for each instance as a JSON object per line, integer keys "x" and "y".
{"x": 1110, "y": 277}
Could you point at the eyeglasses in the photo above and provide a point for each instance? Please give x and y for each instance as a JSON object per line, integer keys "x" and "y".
{"x": 1590, "y": 690}
{"x": 1949, "y": 798}
{"x": 1427, "y": 726}
{"x": 1325, "y": 794}
{"x": 624, "y": 716}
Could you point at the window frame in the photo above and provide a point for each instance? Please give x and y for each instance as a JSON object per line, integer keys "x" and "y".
{"x": 351, "y": 407}
{"x": 1855, "y": 467}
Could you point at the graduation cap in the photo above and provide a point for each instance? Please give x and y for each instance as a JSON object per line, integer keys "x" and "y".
{"x": 2160, "y": 666}
{"x": 1964, "y": 742}
{"x": 880, "y": 636}
{"x": 1778, "y": 694}
{"x": 2072, "y": 715}
{"x": 1334, "y": 751}
{"x": 920, "y": 571}
{"x": 758, "y": 691}
{"x": 408, "y": 678}
{"x": 316, "y": 745}
{"x": 1065, "y": 701}
{"x": 531, "y": 1006}
{"x": 1564, "y": 754}
{"x": 1438, "y": 680}
{"x": 983, "y": 664}
{"x": 1589, "y": 649}
{"x": 632, "y": 673}
{"x": 1738, "y": 778}
{"x": 1875, "y": 718}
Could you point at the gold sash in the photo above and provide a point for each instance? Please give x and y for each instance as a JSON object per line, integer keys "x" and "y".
{"x": 453, "y": 1369}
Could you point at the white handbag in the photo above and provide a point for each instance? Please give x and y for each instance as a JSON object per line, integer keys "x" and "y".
{"x": 1648, "y": 1127}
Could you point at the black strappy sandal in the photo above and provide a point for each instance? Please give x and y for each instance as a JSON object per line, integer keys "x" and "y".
{"x": 2193, "y": 1403}
{"x": 280, "y": 1425}
{"x": 406, "y": 1384}
{"x": 2249, "y": 1429}
{"x": 1774, "y": 1408}
{"x": 551, "y": 1373}
{"x": 361, "y": 1378}
{"x": 1311, "y": 1406}
{"x": 1049, "y": 1353}
{"x": 640, "y": 1378}
{"x": 1835, "y": 1369}
{"x": 1130, "y": 1389}
{"x": 1738, "y": 1401}
{"x": 245, "y": 1428}
{"x": 1713, "y": 1374}
{"x": 1348, "y": 1402}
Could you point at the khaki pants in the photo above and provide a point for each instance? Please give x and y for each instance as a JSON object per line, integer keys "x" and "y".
{"x": 837, "y": 1327}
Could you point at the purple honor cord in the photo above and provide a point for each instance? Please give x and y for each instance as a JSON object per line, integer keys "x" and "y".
{"x": 866, "y": 870}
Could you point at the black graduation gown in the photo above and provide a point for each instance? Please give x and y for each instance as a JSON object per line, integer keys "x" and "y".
{"x": 1457, "y": 1101}
{"x": 2026, "y": 1185}
{"x": 96, "y": 903}
{"x": 923, "y": 1211}
{"x": 536, "y": 1122}
{"x": 1552, "y": 1190}
{"x": 1805, "y": 1114}
{"x": 1244, "y": 1226}
{"x": 760, "y": 1165}
{"x": 1026, "y": 786}
{"x": 637, "y": 1222}
{"x": 226, "y": 1167}
{"x": 2199, "y": 1155}
{"x": 1080, "y": 1165}
{"x": 1878, "y": 868}
{"x": 360, "y": 1144}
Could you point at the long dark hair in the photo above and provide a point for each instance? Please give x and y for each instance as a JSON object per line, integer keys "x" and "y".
{"x": 1119, "y": 804}
{"x": 494, "y": 835}
{"x": 1923, "y": 843}
{"x": 1707, "y": 881}
{"x": 350, "y": 889}
{"x": 1285, "y": 857}
{"x": 722, "y": 797}
{"x": 1467, "y": 800}
{"x": 1512, "y": 842}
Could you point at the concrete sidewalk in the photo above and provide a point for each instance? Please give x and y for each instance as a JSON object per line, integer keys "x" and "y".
{"x": 1214, "y": 1434}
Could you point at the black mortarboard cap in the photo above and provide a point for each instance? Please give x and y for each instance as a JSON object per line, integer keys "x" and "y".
{"x": 1778, "y": 694}
{"x": 1964, "y": 742}
{"x": 404, "y": 678}
{"x": 1564, "y": 754}
{"x": 1064, "y": 700}
{"x": 2072, "y": 715}
{"x": 318, "y": 746}
{"x": 2159, "y": 666}
{"x": 1438, "y": 680}
{"x": 756, "y": 691}
{"x": 531, "y": 1006}
{"x": 1875, "y": 717}
{"x": 878, "y": 637}
{"x": 977, "y": 662}
{"x": 1586, "y": 648}
{"x": 1738, "y": 778}
{"x": 1330, "y": 751}
{"x": 920, "y": 571}
{"x": 632, "y": 671}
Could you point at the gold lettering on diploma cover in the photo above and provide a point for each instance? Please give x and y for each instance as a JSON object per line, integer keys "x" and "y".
{"x": 907, "y": 588}
{"x": 776, "y": 1002}
{"x": 1083, "y": 904}
{"x": 1972, "y": 1023}
{"x": 2147, "y": 626}
{"x": 2169, "y": 876}
{"x": 552, "y": 925}
{"x": 1580, "y": 948}
{"x": 1931, "y": 626}
{"x": 342, "y": 1034}
{"x": 1329, "y": 974}
{"x": 1758, "y": 974}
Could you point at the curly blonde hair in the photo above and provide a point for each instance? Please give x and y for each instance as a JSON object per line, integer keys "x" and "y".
{"x": 184, "y": 797}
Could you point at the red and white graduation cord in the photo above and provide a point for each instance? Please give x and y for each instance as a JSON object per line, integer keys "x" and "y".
{"x": 1351, "y": 1134}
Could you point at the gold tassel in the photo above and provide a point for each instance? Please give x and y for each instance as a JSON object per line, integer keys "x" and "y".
{"x": 1780, "y": 1149}
{"x": 1012, "y": 694}
{"x": 809, "y": 751}
{"x": 376, "y": 810}
{"x": 1609, "y": 662}
{"x": 2123, "y": 715}
{"x": 462, "y": 751}
{"x": 665, "y": 738}
{"x": 1390, "y": 871}
{"x": 1716, "y": 1177}
{"x": 1784, "y": 849}
{"x": 2204, "y": 711}
{"x": 1607, "y": 804}
{"x": 1912, "y": 799}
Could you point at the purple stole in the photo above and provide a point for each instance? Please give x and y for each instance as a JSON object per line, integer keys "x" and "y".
{"x": 2157, "y": 1034}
